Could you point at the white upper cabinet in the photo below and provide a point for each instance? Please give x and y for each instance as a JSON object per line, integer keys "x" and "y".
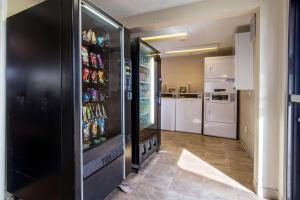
{"x": 243, "y": 61}
{"x": 219, "y": 67}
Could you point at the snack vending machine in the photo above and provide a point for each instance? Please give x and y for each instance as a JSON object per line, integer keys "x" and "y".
{"x": 102, "y": 137}
{"x": 65, "y": 101}
{"x": 146, "y": 101}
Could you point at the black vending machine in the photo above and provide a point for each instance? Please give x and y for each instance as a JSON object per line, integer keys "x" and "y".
{"x": 102, "y": 136}
{"x": 64, "y": 102}
{"x": 146, "y": 68}
{"x": 128, "y": 102}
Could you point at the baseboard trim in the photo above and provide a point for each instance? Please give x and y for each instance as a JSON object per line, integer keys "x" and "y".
{"x": 255, "y": 185}
{"x": 265, "y": 192}
{"x": 246, "y": 148}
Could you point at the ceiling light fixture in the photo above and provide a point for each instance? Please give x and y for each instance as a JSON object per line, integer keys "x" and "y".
{"x": 166, "y": 37}
{"x": 204, "y": 49}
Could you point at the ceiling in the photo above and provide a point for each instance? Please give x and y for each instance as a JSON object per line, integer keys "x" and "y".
{"x": 219, "y": 32}
{"x": 126, "y": 8}
{"x": 206, "y": 21}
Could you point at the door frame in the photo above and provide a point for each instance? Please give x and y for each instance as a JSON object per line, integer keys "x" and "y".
{"x": 293, "y": 97}
{"x": 3, "y": 11}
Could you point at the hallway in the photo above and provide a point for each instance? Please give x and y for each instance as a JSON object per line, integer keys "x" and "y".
{"x": 191, "y": 167}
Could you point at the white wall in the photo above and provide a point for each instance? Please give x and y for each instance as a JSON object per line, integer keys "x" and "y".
{"x": 2, "y": 98}
{"x": 272, "y": 89}
{"x": 268, "y": 104}
{"x": 283, "y": 80}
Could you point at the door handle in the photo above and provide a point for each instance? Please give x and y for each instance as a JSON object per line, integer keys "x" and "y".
{"x": 295, "y": 98}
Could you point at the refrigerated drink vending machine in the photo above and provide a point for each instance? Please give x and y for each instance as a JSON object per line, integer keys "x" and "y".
{"x": 65, "y": 102}
{"x": 146, "y": 101}
{"x": 127, "y": 103}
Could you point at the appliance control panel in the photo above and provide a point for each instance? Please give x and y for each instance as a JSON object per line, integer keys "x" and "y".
{"x": 220, "y": 97}
{"x": 219, "y": 87}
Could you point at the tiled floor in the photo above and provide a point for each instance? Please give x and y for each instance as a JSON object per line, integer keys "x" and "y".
{"x": 192, "y": 167}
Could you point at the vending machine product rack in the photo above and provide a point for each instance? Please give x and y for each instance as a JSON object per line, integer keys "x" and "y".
{"x": 146, "y": 101}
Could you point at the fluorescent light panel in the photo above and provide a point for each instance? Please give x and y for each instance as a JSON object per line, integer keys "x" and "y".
{"x": 152, "y": 89}
{"x": 101, "y": 16}
{"x": 204, "y": 49}
{"x": 166, "y": 37}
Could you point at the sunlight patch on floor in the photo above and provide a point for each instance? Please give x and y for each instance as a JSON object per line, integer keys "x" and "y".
{"x": 190, "y": 162}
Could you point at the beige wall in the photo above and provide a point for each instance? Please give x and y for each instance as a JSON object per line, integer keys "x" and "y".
{"x": 184, "y": 70}
{"x": 247, "y": 104}
{"x": 247, "y": 120}
{"x": 16, "y": 6}
{"x": 181, "y": 71}
{"x": 257, "y": 97}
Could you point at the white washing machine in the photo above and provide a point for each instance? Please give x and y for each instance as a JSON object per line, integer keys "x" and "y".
{"x": 220, "y": 109}
{"x": 189, "y": 115}
{"x": 168, "y": 112}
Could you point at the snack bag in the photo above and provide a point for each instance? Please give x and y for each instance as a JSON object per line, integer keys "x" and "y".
{"x": 93, "y": 59}
{"x": 100, "y": 41}
{"x": 84, "y": 113}
{"x": 85, "y": 75}
{"x": 94, "y": 76}
{"x": 94, "y": 129}
{"x": 101, "y": 76}
{"x": 88, "y": 112}
{"x": 94, "y": 94}
{"x": 84, "y": 56}
{"x": 86, "y": 35}
{"x": 102, "y": 123}
{"x": 100, "y": 62}
{"x": 103, "y": 111}
{"x": 86, "y": 97}
{"x": 86, "y": 133}
{"x": 94, "y": 38}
